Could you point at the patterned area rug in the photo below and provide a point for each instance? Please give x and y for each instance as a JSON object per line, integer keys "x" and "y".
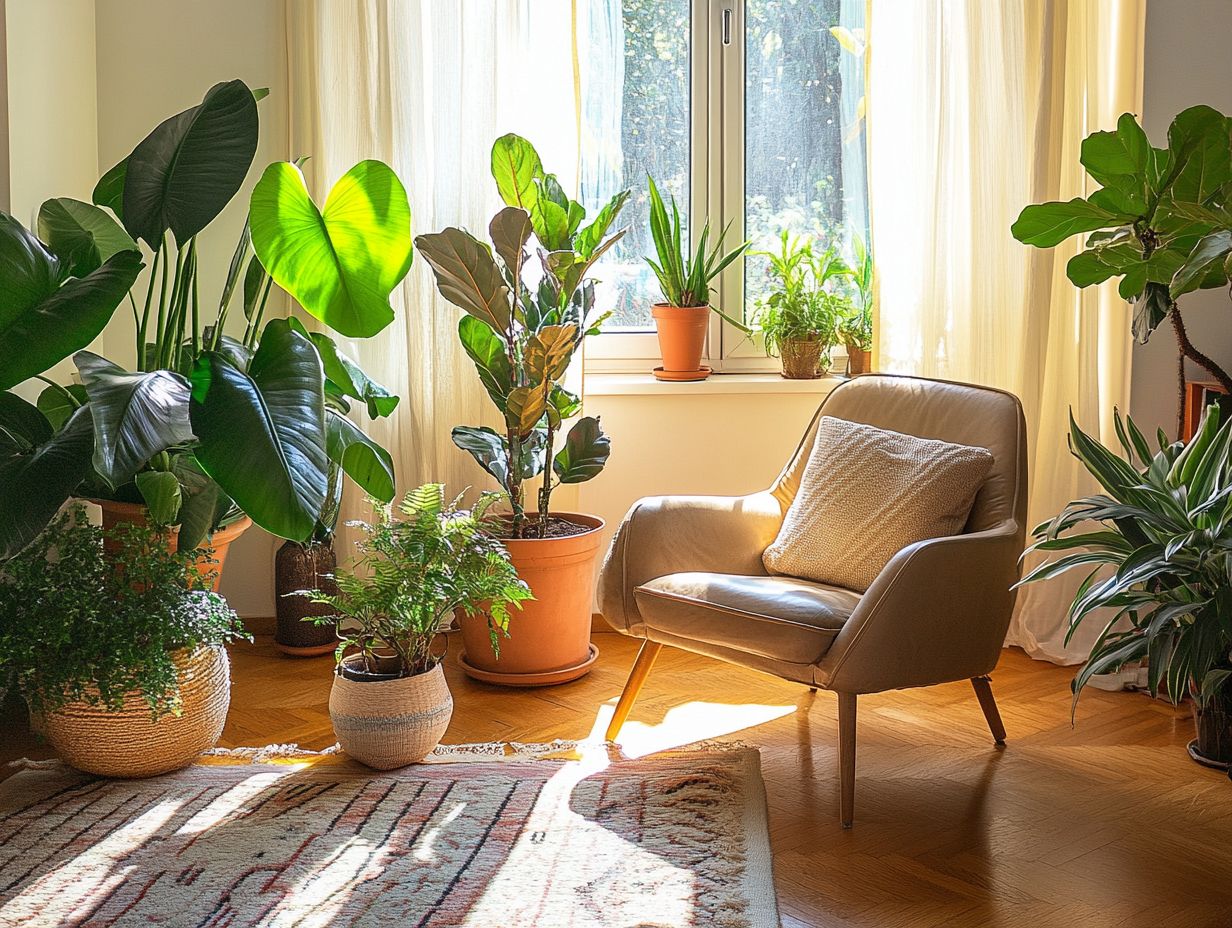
{"x": 675, "y": 839}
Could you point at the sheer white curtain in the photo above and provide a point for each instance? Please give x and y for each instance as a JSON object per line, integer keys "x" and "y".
{"x": 427, "y": 86}
{"x": 978, "y": 108}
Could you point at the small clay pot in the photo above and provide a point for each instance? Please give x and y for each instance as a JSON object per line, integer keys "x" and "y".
{"x": 389, "y": 722}
{"x": 304, "y": 567}
{"x": 858, "y": 362}
{"x": 682, "y": 336}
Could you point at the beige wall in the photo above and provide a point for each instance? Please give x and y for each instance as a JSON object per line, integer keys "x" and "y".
{"x": 1187, "y": 62}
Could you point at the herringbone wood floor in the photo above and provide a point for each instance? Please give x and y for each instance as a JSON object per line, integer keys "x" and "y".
{"x": 1104, "y": 824}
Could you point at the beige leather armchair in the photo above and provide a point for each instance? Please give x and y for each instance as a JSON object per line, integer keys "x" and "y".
{"x": 687, "y": 572}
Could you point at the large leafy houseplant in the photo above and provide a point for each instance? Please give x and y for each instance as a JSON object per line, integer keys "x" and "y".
{"x": 1161, "y": 221}
{"x": 522, "y": 330}
{"x": 205, "y": 426}
{"x": 1157, "y": 548}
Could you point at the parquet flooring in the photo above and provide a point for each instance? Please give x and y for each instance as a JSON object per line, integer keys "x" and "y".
{"x": 1107, "y": 823}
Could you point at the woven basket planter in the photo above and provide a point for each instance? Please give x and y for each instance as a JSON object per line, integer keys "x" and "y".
{"x": 388, "y": 723}
{"x": 804, "y": 359}
{"x": 129, "y": 742}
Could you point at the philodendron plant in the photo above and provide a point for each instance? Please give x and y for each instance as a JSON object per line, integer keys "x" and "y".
{"x": 205, "y": 426}
{"x": 522, "y": 330}
{"x": 1161, "y": 220}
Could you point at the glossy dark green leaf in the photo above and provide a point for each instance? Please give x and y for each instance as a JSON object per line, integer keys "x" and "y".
{"x": 487, "y": 448}
{"x": 81, "y": 234}
{"x": 22, "y": 425}
{"x": 109, "y": 191}
{"x": 491, "y": 361}
{"x": 203, "y": 504}
{"x": 254, "y": 281}
{"x": 58, "y": 403}
{"x": 343, "y": 377}
{"x": 361, "y": 458}
{"x": 183, "y": 174}
{"x": 161, "y": 492}
{"x": 585, "y": 452}
{"x": 1202, "y": 157}
{"x": 262, "y": 433}
{"x": 1210, "y": 252}
{"x": 136, "y": 415}
{"x": 1046, "y": 225}
{"x": 467, "y": 275}
{"x": 1150, "y": 309}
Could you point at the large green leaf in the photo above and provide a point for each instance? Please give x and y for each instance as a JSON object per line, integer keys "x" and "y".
{"x": 491, "y": 360}
{"x": 181, "y": 175}
{"x": 262, "y": 433}
{"x": 203, "y": 504}
{"x": 1202, "y": 157}
{"x": 467, "y": 275}
{"x": 510, "y": 231}
{"x": 161, "y": 491}
{"x": 585, "y": 452}
{"x": 363, "y": 460}
{"x": 36, "y": 483}
{"x": 515, "y": 168}
{"x": 48, "y": 319}
{"x": 343, "y": 262}
{"x": 109, "y": 191}
{"x": 487, "y": 448}
{"x": 1046, "y": 225}
{"x": 82, "y": 235}
{"x": 59, "y": 403}
{"x": 136, "y": 415}
{"x": 1209, "y": 254}
{"x": 343, "y": 377}
{"x": 22, "y": 425}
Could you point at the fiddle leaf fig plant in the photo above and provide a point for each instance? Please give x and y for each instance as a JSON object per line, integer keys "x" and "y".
{"x": 522, "y": 329}
{"x": 201, "y": 426}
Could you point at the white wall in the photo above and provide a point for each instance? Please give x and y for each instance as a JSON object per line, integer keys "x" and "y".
{"x": 1187, "y": 62}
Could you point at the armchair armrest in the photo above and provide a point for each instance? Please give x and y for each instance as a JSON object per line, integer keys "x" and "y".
{"x": 937, "y": 612}
{"x": 663, "y": 535}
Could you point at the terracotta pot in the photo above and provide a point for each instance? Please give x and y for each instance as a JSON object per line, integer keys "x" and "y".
{"x": 682, "y": 335}
{"x": 549, "y": 638}
{"x": 858, "y": 362}
{"x": 390, "y": 723}
{"x": 128, "y": 742}
{"x": 219, "y": 543}
{"x": 304, "y": 567}
{"x": 1213, "y": 746}
{"x": 804, "y": 359}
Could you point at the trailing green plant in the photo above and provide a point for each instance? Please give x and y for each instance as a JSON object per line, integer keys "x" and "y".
{"x": 80, "y": 624}
{"x": 803, "y": 304}
{"x": 522, "y": 327}
{"x": 205, "y": 426}
{"x": 1159, "y": 560}
{"x": 685, "y": 278}
{"x": 413, "y": 573}
{"x": 856, "y": 327}
{"x": 1161, "y": 222}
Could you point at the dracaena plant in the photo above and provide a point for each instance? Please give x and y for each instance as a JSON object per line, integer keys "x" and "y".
{"x": 1157, "y": 548}
{"x": 522, "y": 326}
{"x": 1161, "y": 221}
{"x": 685, "y": 278}
{"x": 206, "y": 425}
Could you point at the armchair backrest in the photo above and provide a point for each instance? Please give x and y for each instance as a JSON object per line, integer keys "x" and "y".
{"x": 955, "y": 412}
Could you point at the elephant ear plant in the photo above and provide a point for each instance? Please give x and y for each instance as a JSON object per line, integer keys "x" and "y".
{"x": 522, "y": 329}
{"x": 205, "y": 426}
{"x": 1157, "y": 543}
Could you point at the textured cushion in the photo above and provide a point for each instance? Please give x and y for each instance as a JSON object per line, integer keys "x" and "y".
{"x": 775, "y": 617}
{"x": 865, "y": 494}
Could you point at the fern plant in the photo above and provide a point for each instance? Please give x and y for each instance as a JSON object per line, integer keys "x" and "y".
{"x": 413, "y": 572}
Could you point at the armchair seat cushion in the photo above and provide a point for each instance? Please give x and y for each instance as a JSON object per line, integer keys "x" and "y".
{"x": 780, "y": 618}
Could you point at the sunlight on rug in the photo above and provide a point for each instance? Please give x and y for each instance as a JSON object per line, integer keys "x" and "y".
{"x": 276, "y": 838}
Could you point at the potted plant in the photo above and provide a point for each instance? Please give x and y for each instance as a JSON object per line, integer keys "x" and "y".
{"x": 856, "y": 327}
{"x": 120, "y": 657}
{"x": 1160, "y": 567}
{"x": 522, "y": 331}
{"x": 390, "y": 704}
{"x": 207, "y": 429}
{"x": 799, "y": 319}
{"x": 683, "y": 317}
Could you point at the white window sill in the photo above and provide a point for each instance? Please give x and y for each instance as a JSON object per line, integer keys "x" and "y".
{"x": 645, "y": 384}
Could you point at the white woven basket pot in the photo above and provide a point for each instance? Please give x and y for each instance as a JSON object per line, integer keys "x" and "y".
{"x": 129, "y": 742}
{"x": 391, "y": 723}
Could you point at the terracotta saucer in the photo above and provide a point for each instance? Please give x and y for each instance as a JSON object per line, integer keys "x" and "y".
{"x": 682, "y": 376}
{"x": 315, "y": 650}
{"x": 549, "y": 678}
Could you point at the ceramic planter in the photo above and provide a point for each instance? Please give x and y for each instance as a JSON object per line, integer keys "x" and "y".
{"x": 804, "y": 359}
{"x": 128, "y": 742}
{"x": 303, "y": 567}
{"x": 549, "y": 638}
{"x": 682, "y": 336}
{"x": 387, "y": 721}
{"x": 858, "y": 362}
{"x": 220, "y": 542}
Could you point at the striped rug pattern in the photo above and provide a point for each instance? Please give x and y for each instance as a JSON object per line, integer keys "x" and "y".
{"x": 669, "y": 840}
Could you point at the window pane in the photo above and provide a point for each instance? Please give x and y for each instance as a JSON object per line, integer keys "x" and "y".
{"x": 803, "y": 127}
{"x": 635, "y": 121}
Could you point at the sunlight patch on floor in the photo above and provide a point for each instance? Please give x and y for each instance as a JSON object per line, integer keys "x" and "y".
{"x": 685, "y": 724}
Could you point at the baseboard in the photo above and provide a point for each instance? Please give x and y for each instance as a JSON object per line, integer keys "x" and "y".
{"x": 260, "y": 624}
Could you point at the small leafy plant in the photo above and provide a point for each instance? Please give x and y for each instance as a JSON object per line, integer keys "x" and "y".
{"x": 412, "y": 574}
{"x": 803, "y": 306}
{"x": 856, "y": 327}
{"x": 78, "y": 623}
{"x": 686, "y": 279}
{"x": 1160, "y": 564}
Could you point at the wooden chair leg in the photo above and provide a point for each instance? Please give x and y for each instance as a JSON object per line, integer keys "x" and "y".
{"x": 847, "y": 757}
{"x": 983, "y": 692}
{"x": 637, "y": 676}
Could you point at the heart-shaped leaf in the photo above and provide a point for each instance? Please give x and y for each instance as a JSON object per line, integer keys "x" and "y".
{"x": 585, "y": 452}
{"x": 82, "y": 235}
{"x": 363, "y": 460}
{"x": 467, "y": 276}
{"x": 136, "y": 415}
{"x": 161, "y": 492}
{"x": 50, "y": 320}
{"x": 109, "y": 191}
{"x": 262, "y": 433}
{"x": 181, "y": 175}
{"x": 22, "y": 426}
{"x": 340, "y": 263}
{"x": 58, "y": 403}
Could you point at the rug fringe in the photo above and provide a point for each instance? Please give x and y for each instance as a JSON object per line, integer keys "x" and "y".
{"x": 26, "y": 763}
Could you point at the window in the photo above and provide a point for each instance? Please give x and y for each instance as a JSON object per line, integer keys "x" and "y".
{"x": 750, "y": 112}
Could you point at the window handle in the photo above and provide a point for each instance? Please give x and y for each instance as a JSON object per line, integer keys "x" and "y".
{"x": 727, "y": 26}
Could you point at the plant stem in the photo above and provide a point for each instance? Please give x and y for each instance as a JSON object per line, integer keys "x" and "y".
{"x": 254, "y": 325}
{"x": 545, "y": 492}
{"x": 196, "y": 306}
{"x": 143, "y": 327}
{"x": 1187, "y": 350}
{"x": 159, "y": 334}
